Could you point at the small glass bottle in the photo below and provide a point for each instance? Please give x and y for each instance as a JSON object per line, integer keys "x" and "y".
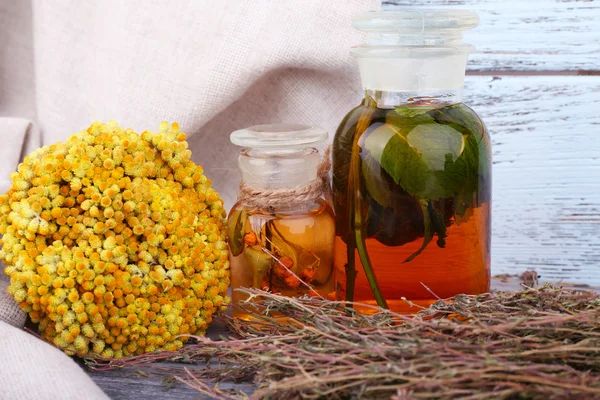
{"x": 412, "y": 167}
{"x": 281, "y": 230}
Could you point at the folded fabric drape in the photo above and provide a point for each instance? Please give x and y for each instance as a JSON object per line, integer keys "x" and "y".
{"x": 31, "y": 369}
{"x": 18, "y": 137}
{"x": 211, "y": 66}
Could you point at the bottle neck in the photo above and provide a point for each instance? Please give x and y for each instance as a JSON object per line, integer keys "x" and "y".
{"x": 272, "y": 169}
{"x": 435, "y": 76}
{"x": 389, "y": 99}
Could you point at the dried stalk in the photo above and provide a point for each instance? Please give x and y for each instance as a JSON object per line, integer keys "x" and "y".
{"x": 535, "y": 344}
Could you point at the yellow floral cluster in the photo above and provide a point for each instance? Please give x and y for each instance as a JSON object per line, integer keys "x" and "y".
{"x": 115, "y": 242}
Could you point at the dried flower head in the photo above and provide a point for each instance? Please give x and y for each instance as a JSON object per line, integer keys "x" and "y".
{"x": 115, "y": 242}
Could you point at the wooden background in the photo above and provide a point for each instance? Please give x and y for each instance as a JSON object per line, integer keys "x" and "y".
{"x": 535, "y": 80}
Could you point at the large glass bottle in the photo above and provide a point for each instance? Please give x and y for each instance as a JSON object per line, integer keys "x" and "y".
{"x": 412, "y": 168}
{"x": 281, "y": 246}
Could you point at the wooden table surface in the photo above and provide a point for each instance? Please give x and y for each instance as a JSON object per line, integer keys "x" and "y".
{"x": 129, "y": 384}
{"x": 535, "y": 80}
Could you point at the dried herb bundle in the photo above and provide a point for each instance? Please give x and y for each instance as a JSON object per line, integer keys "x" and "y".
{"x": 535, "y": 344}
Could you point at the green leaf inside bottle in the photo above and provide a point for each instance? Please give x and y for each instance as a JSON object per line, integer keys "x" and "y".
{"x": 236, "y": 229}
{"x": 438, "y": 156}
{"x": 260, "y": 262}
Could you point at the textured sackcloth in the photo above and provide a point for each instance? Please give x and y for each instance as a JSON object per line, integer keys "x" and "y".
{"x": 213, "y": 66}
{"x": 31, "y": 369}
{"x": 10, "y": 312}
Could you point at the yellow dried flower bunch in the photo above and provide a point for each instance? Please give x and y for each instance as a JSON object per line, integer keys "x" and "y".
{"x": 115, "y": 242}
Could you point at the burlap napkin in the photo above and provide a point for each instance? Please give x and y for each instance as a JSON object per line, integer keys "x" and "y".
{"x": 31, "y": 369}
{"x": 213, "y": 66}
{"x": 10, "y": 312}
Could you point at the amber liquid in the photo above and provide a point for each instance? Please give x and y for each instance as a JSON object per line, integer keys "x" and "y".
{"x": 461, "y": 267}
{"x": 384, "y": 161}
{"x": 311, "y": 229}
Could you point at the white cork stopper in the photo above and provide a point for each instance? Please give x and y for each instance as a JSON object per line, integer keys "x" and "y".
{"x": 414, "y": 50}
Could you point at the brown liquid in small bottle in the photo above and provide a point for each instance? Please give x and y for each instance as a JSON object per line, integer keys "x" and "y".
{"x": 312, "y": 231}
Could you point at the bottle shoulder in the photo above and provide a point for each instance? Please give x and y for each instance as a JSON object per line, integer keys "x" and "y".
{"x": 471, "y": 113}
{"x": 458, "y": 114}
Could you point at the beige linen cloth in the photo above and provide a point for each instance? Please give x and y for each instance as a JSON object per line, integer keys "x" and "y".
{"x": 213, "y": 66}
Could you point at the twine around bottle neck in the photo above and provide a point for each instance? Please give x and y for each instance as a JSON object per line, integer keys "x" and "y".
{"x": 258, "y": 197}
